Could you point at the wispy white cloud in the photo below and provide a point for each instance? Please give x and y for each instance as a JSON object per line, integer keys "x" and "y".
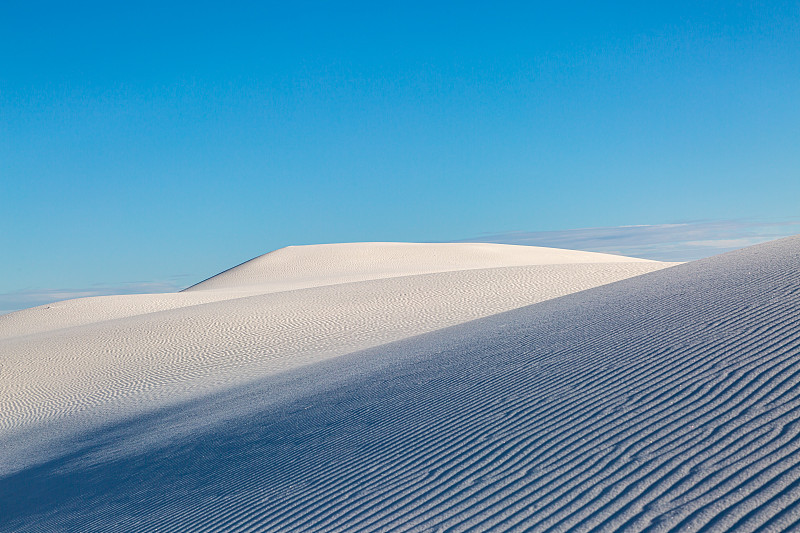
{"x": 685, "y": 241}
{"x": 16, "y": 300}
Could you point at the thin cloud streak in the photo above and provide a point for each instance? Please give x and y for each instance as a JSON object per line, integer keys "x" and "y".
{"x": 663, "y": 242}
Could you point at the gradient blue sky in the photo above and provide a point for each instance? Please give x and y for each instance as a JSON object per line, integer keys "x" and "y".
{"x": 159, "y": 143}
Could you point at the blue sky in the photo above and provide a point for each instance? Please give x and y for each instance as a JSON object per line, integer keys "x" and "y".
{"x": 149, "y": 145}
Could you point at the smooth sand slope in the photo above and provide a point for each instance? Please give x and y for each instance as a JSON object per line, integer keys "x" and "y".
{"x": 93, "y": 360}
{"x": 664, "y": 402}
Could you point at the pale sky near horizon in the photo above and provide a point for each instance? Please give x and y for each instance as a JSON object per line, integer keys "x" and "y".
{"x": 157, "y": 143}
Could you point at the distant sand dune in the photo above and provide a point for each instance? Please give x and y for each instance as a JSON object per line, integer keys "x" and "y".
{"x": 297, "y": 267}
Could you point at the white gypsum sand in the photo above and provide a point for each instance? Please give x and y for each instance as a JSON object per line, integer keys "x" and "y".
{"x": 664, "y": 402}
{"x": 395, "y": 390}
{"x": 113, "y": 355}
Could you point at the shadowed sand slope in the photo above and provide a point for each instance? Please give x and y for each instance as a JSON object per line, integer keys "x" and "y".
{"x": 664, "y": 402}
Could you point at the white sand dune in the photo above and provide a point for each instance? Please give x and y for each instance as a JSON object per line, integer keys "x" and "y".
{"x": 668, "y": 401}
{"x": 300, "y": 267}
{"x": 112, "y": 355}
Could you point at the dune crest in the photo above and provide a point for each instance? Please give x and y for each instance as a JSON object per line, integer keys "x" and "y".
{"x": 299, "y": 267}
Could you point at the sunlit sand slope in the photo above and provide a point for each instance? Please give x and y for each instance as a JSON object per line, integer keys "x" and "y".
{"x": 664, "y": 402}
{"x": 83, "y": 311}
